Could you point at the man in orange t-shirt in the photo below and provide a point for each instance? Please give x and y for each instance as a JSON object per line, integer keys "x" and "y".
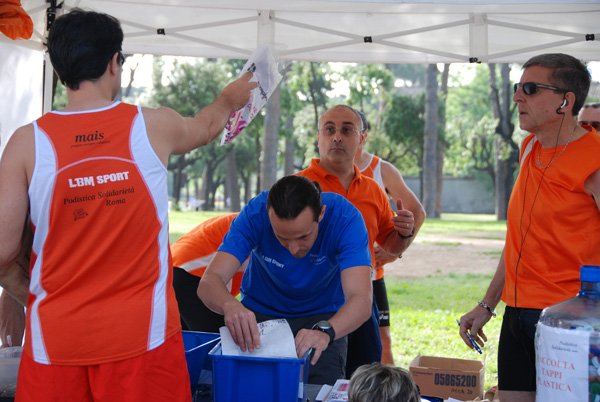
{"x": 339, "y": 136}
{"x": 553, "y": 224}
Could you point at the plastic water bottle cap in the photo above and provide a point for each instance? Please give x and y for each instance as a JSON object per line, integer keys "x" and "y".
{"x": 590, "y": 273}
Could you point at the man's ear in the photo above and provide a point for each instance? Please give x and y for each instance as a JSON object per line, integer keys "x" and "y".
{"x": 113, "y": 65}
{"x": 322, "y": 214}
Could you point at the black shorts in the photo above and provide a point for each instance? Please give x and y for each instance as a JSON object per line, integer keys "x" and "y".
{"x": 516, "y": 350}
{"x": 195, "y": 316}
{"x": 380, "y": 293}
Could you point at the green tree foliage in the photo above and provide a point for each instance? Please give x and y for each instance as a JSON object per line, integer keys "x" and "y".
{"x": 188, "y": 88}
{"x": 368, "y": 84}
{"x": 470, "y": 124}
{"x": 413, "y": 75}
{"x": 404, "y": 125}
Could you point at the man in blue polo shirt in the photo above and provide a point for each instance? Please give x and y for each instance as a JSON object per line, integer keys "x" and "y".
{"x": 309, "y": 263}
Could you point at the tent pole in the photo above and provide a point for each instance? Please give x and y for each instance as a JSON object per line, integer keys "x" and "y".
{"x": 47, "y": 91}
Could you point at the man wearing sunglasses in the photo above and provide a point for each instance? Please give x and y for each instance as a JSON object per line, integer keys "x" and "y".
{"x": 590, "y": 116}
{"x": 553, "y": 218}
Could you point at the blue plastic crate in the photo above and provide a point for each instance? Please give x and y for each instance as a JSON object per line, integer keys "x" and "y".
{"x": 257, "y": 379}
{"x": 197, "y": 345}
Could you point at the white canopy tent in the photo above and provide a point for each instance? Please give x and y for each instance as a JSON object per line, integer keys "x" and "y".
{"x": 363, "y": 31}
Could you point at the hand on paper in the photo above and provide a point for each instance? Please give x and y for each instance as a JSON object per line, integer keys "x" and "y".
{"x": 237, "y": 93}
{"x": 241, "y": 322}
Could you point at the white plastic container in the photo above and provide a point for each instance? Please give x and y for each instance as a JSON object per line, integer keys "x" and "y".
{"x": 567, "y": 344}
{"x": 9, "y": 368}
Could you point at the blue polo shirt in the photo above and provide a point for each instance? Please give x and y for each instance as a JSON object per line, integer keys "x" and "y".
{"x": 280, "y": 285}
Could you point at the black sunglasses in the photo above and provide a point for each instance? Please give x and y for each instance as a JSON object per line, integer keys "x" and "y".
{"x": 530, "y": 88}
{"x": 120, "y": 59}
{"x": 595, "y": 124}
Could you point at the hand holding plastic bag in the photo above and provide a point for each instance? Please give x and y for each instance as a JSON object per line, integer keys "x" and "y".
{"x": 265, "y": 68}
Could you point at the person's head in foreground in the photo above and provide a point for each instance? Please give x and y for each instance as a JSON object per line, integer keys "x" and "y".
{"x": 295, "y": 210}
{"x": 82, "y": 43}
{"x": 590, "y": 115}
{"x": 382, "y": 383}
{"x": 549, "y": 83}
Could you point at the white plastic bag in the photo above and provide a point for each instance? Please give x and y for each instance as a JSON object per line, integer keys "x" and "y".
{"x": 265, "y": 68}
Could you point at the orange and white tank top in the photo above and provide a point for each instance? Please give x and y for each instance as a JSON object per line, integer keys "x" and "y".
{"x": 101, "y": 267}
{"x": 373, "y": 170}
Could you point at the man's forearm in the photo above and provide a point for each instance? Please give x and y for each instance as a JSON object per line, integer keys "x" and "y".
{"x": 494, "y": 292}
{"x": 14, "y": 280}
{"x": 351, "y": 315}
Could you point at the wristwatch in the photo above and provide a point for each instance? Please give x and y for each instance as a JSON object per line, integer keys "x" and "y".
{"x": 326, "y": 327}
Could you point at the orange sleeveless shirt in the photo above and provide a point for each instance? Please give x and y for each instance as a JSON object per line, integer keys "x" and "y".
{"x": 101, "y": 278}
{"x": 565, "y": 224}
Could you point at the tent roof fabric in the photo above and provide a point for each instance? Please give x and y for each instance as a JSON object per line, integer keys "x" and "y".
{"x": 391, "y": 31}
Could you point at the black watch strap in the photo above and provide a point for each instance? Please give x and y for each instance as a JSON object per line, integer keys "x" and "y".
{"x": 410, "y": 235}
{"x": 325, "y": 326}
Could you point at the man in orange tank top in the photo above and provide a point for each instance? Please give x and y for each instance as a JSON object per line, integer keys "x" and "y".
{"x": 553, "y": 224}
{"x": 102, "y": 320}
{"x": 391, "y": 181}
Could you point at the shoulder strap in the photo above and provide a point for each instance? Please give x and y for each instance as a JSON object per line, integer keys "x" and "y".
{"x": 527, "y": 151}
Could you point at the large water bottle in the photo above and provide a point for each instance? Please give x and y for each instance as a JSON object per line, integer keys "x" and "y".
{"x": 567, "y": 344}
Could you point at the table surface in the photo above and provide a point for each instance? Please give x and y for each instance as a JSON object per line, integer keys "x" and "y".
{"x": 311, "y": 391}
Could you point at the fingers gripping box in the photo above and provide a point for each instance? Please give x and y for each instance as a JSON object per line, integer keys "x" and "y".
{"x": 446, "y": 377}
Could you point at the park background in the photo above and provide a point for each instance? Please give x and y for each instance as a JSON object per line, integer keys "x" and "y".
{"x": 451, "y": 262}
{"x": 440, "y": 124}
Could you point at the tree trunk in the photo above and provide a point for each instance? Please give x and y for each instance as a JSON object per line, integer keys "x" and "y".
{"x": 441, "y": 144}
{"x": 207, "y": 184}
{"x": 504, "y": 167}
{"x": 231, "y": 181}
{"x": 178, "y": 181}
{"x": 258, "y": 148}
{"x": 247, "y": 189}
{"x": 288, "y": 166}
{"x": 430, "y": 139}
{"x": 268, "y": 169}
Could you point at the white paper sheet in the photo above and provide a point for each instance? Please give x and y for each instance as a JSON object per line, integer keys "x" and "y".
{"x": 276, "y": 340}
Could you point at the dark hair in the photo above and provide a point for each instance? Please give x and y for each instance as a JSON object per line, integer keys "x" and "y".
{"x": 81, "y": 44}
{"x": 290, "y": 195}
{"x": 594, "y": 105}
{"x": 569, "y": 73}
{"x": 365, "y": 122}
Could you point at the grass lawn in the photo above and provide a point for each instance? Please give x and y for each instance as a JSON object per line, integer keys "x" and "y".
{"x": 181, "y": 222}
{"x": 457, "y": 223}
{"x": 423, "y": 311}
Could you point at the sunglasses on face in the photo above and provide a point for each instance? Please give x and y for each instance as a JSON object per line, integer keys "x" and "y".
{"x": 530, "y": 88}
{"x": 595, "y": 124}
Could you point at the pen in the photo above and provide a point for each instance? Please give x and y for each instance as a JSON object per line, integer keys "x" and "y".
{"x": 471, "y": 339}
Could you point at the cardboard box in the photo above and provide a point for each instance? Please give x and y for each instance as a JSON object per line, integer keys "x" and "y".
{"x": 446, "y": 377}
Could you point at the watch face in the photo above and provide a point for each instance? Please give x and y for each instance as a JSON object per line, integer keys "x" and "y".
{"x": 325, "y": 325}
